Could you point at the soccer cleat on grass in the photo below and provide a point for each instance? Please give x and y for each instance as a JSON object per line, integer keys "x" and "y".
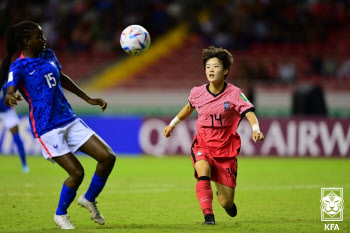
{"x": 209, "y": 219}
{"x": 25, "y": 169}
{"x": 232, "y": 211}
{"x": 63, "y": 222}
{"x": 92, "y": 208}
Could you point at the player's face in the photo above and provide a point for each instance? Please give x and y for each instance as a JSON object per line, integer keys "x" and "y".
{"x": 37, "y": 42}
{"x": 214, "y": 70}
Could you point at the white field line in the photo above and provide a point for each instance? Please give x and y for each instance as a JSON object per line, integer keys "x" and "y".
{"x": 157, "y": 188}
{"x": 289, "y": 187}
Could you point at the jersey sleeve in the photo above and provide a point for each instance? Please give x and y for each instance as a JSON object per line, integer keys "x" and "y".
{"x": 192, "y": 99}
{"x": 242, "y": 104}
{"x": 14, "y": 76}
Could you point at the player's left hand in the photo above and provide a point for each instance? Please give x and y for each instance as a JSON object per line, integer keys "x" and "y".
{"x": 257, "y": 136}
{"x": 98, "y": 101}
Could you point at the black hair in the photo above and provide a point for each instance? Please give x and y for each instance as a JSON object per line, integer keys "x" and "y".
{"x": 222, "y": 54}
{"x": 14, "y": 40}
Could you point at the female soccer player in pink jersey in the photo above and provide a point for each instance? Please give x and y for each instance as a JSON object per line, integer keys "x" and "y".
{"x": 215, "y": 147}
{"x": 38, "y": 76}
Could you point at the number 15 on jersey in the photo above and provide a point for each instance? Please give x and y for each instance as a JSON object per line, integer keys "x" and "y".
{"x": 51, "y": 81}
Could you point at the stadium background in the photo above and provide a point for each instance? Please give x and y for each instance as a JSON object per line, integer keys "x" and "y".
{"x": 292, "y": 60}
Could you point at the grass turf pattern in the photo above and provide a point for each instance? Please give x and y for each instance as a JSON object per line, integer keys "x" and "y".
{"x": 147, "y": 194}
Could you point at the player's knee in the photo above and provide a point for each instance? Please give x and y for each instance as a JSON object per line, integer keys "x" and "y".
{"x": 226, "y": 204}
{"x": 107, "y": 156}
{"x": 78, "y": 175}
{"x": 203, "y": 173}
{"x": 203, "y": 169}
{"x": 111, "y": 158}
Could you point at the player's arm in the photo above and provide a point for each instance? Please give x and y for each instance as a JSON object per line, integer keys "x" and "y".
{"x": 12, "y": 97}
{"x": 69, "y": 85}
{"x": 254, "y": 123}
{"x": 182, "y": 115}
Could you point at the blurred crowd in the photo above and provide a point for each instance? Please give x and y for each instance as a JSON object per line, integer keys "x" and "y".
{"x": 80, "y": 25}
{"x": 315, "y": 32}
{"x": 236, "y": 24}
{"x": 285, "y": 39}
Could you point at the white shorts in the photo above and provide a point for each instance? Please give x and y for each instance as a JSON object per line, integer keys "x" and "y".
{"x": 64, "y": 140}
{"x": 9, "y": 118}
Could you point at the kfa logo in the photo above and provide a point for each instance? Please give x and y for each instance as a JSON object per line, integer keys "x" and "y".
{"x": 331, "y": 227}
{"x": 332, "y": 204}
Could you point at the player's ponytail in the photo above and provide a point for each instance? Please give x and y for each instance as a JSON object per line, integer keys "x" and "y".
{"x": 14, "y": 39}
{"x": 11, "y": 48}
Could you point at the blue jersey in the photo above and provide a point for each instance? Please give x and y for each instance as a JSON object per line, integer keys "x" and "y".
{"x": 38, "y": 80}
{"x": 3, "y": 106}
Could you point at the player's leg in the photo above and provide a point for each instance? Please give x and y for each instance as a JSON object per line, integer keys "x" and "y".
{"x": 19, "y": 143}
{"x": 204, "y": 191}
{"x": 225, "y": 183}
{"x": 99, "y": 150}
{"x": 226, "y": 196}
{"x": 69, "y": 190}
{"x": 11, "y": 122}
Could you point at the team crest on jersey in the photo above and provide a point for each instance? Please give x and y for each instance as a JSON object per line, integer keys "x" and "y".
{"x": 53, "y": 63}
{"x": 227, "y": 106}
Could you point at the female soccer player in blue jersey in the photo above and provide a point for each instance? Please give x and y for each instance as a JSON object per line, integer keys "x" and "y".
{"x": 39, "y": 78}
{"x": 11, "y": 121}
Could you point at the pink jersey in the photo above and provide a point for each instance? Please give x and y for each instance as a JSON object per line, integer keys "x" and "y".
{"x": 219, "y": 115}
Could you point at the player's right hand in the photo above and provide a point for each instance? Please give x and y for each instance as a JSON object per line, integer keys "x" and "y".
{"x": 167, "y": 131}
{"x": 14, "y": 98}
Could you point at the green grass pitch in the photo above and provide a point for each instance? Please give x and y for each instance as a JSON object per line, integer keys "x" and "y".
{"x": 148, "y": 194}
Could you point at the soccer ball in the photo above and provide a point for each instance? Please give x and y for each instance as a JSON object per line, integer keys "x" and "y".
{"x": 135, "y": 39}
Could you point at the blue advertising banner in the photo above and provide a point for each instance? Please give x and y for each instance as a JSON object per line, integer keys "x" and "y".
{"x": 119, "y": 132}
